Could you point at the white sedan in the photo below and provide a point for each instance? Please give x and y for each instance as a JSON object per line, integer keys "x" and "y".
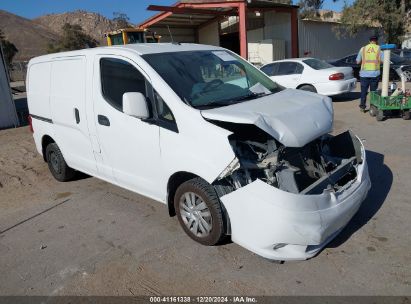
{"x": 311, "y": 74}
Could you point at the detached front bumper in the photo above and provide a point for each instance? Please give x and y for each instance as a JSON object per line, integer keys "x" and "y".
{"x": 284, "y": 226}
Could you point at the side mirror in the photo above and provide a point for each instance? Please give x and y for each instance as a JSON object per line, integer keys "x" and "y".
{"x": 135, "y": 104}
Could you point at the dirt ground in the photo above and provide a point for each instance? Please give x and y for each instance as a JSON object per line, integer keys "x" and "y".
{"x": 88, "y": 237}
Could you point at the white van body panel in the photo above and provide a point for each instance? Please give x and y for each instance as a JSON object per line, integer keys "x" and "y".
{"x": 291, "y": 127}
{"x": 68, "y": 96}
{"x": 38, "y": 88}
{"x": 142, "y": 157}
{"x": 129, "y": 145}
{"x": 176, "y": 148}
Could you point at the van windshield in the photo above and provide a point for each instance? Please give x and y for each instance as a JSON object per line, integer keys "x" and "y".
{"x": 208, "y": 79}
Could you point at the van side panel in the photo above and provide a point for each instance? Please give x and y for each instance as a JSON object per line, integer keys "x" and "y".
{"x": 38, "y": 89}
{"x": 68, "y": 109}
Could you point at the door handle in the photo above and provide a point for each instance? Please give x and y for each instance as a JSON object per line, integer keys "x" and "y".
{"x": 77, "y": 115}
{"x": 103, "y": 120}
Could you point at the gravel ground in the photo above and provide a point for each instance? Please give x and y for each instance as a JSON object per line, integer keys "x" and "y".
{"x": 88, "y": 237}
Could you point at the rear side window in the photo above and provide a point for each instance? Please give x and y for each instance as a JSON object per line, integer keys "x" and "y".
{"x": 119, "y": 77}
{"x": 289, "y": 68}
{"x": 317, "y": 64}
{"x": 268, "y": 69}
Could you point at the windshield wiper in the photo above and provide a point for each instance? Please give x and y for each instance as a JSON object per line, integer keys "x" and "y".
{"x": 230, "y": 101}
{"x": 251, "y": 96}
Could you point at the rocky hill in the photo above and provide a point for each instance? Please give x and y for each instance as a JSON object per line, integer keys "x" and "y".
{"x": 92, "y": 23}
{"x": 31, "y": 39}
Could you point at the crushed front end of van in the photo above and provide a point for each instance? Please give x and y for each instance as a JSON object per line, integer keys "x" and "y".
{"x": 287, "y": 195}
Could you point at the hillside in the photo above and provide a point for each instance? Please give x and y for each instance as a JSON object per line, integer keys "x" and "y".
{"x": 92, "y": 23}
{"x": 30, "y": 38}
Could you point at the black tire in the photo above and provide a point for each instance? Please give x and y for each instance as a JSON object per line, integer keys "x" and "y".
{"x": 406, "y": 115}
{"x": 380, "y": 115}
{"x": 373, "y": 110}
{"x": 57, "y": 165}
{"x": 205, "y": 192}
{"x": 308, "y": 88}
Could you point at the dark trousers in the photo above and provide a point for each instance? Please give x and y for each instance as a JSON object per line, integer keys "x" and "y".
{"x": 367, "y": 82}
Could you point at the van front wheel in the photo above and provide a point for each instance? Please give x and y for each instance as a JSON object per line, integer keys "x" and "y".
{"x": 199, "y": 211}
{"x": 57, "y": 165}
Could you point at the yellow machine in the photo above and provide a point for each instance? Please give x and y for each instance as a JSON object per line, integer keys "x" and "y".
{"x": 131, "y": 35}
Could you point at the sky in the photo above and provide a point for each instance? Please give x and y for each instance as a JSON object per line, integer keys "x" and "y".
{"x": 135, "y": 9}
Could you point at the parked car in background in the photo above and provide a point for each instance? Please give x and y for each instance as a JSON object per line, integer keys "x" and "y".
{"x": 396, "y": 62}
{"x": 311, "y": 74}
{"x": 404, "y": 53}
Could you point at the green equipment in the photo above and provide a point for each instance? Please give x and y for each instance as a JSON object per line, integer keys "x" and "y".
{"x": 381, "y": 106}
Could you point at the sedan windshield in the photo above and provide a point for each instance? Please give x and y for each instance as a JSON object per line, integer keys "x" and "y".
{"x": 317, "y": 64}
{"x": 207, "y": 79}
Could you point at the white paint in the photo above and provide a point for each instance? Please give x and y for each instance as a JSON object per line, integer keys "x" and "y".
{"x": 319, "y": 79}
{"x": 385, "y": 73}
{"x": 135, "y": 104}
{"x": 263, "y": 216}
{"x": 272, "y": 114}
{"x": 141, "y": 156}
{"x": 68, "y": 92}
{"x": 265, "y": 51}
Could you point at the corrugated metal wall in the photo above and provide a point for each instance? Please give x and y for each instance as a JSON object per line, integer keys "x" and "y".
{"x": 8, "y": 115}
{"x": 277, "y": 26}
{"x": 179, "y": 34}
{"x": 209, "y": 34}
{"x": 321, "y": 39}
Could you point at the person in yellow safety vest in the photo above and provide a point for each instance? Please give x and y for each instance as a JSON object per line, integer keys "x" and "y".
{"x": 370, "y": 58}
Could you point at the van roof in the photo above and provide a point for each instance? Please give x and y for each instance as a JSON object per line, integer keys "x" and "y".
{"x": 139, "y": 48}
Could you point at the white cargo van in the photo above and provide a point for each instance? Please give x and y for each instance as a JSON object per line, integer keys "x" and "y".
{"x": 204, "y": 132}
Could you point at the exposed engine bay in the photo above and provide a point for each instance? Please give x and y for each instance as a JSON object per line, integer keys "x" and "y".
{"x": 328, "y": 162}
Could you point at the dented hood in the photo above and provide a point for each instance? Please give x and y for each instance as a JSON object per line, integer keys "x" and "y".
{"x": 293, "y": 117}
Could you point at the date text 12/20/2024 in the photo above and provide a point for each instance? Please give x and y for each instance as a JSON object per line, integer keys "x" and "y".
{"x": 203, "y": 299}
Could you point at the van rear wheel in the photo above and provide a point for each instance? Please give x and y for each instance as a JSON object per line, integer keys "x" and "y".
{"x": 57, "y": 165}
{"x": 199, "y": 211}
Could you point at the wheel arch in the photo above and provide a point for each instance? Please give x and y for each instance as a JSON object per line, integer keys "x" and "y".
{"x": 175, "y": 181}
{"x": 306, "y": 84}
{"x": 45, "y": 141}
